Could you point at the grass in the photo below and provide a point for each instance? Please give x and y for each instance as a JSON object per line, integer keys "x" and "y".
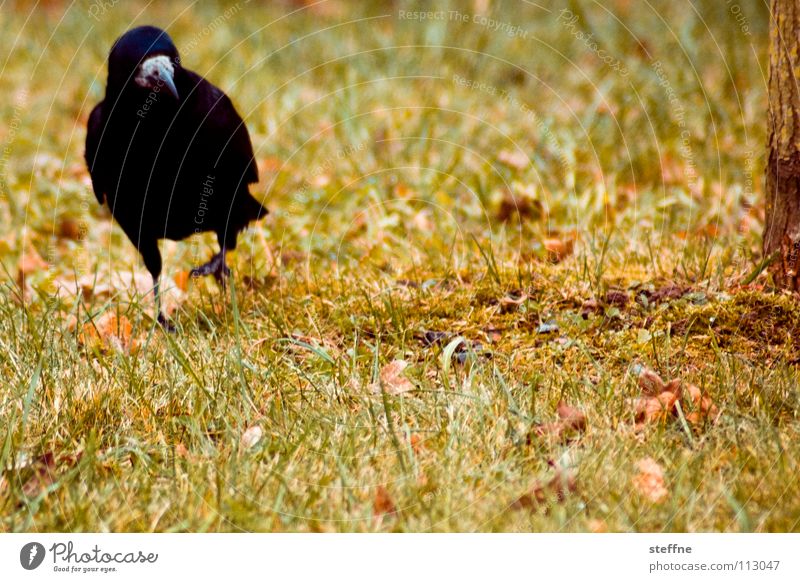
{"x": 422, "y": 176}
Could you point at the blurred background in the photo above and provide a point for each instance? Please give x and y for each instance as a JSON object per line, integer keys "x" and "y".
{"x": 394, "y": 132}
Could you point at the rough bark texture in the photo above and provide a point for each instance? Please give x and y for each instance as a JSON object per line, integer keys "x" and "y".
{"x": 782, "y": 229}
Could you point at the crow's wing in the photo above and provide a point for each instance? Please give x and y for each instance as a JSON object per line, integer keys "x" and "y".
{"x": 222, "y": 128}
{"x": 94, "y": 132}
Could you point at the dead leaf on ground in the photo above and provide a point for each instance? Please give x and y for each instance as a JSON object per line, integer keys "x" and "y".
{"x": 556, "y": 489}
{"x": 402, "y": 190}
{"x": 571, "y": 422}
{"x": 512, "y": 301}
{"x": 617, "y": 298}
{"x": 521, "y": 206}
{"x": 703, "y": 408}
{"x": 558, "y": 249}
{"x": 649, "y": 480}
{"x": 71, "y": 229}
{"x": 182, "y": 280}
{"x": 44, "y": 475}
{"x": 29, "y": 263}
{"x": 654, "y": 409}
{"x": 659, "y": 400}
{"x": 589, "y": 307}
{"x": 673, "y": 171}
{"x": 650, "y": 382}
{"x": 392, "y": 379}
{"x": 104, "y": 283}
{"x": 493, "y": 333}
{"x": 292, "y": 256}
{"x": 108, "y": 332}
{"x": 383, "y": 504}
{"x": 598, "y": 526}
{"x": 663, "y": 294}
{"x": 431, "y": 338}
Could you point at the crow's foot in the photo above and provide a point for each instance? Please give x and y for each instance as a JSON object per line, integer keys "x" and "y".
{"x": 216, "y": 266}
{"x": 166, "y": 324}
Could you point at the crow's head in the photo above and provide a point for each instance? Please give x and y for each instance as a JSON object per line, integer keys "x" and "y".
{"x": 144, "y": 57}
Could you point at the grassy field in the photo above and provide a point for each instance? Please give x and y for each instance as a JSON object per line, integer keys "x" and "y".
{"x": 475, "y": 215}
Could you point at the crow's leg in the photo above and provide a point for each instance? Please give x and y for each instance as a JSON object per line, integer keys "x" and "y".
{"x": 152, "y": 260}
{"x": 162, "y": 319}
{"x": 216, "y": 266}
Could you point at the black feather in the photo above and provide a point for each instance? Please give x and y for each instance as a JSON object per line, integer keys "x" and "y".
{"x": 167, "y": 167}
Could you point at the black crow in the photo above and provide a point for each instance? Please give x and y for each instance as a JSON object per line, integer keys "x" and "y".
{"x": 169, "y": 154}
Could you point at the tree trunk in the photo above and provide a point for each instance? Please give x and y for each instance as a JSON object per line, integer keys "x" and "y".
{"x": 782, "y": 228}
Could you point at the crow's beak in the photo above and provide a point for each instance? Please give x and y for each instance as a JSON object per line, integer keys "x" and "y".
{"x": 164, "y": 76}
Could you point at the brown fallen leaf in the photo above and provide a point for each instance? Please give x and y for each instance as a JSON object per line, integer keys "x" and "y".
{"x": 598, "y": 526}
{"x": 71, "y": 229}
{"x": 572, "y": 419}
{"x": 519, "y": 206}
{"x": 493, "y": 333}
{"x": 104, "y": 283}
{"x": 649, "y": 480}
{"x": 664, "y": 294}
{"x": 182, "y": 280}
{"x": 650, "y": 383}
{"x": 108, "y": 332}
{"x": 589, "y": 307}
{"x": 30, "y": 262}
{"x": 617, "y": 298}
{"x": 383, "y": 504}
{"x": 292, "y": 256}
{"x": 392, "y": 380}
{"x": 512, "y": 301}
{"x": 703, "y": 408}
{"x": 44, "y": 474}
{"x": 661, "y": 407}
{"x": 562, "y": 484}
{"x": 672, "y": 171}
{"x": 659, "y": 401}
{"x": 558, "y": 249}
{"x": 571, "y": 422}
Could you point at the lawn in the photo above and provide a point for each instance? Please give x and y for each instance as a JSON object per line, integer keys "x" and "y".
{"x": 510, "y": 280}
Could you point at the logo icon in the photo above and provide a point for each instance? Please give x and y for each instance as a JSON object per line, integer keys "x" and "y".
{"x": 31, "y": 555}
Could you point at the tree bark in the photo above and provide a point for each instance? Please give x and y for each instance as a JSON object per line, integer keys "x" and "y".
{"x": 782, "y": 228}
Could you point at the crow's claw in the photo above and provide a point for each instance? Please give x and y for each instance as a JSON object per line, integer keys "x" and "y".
{"x": 216, "y": 266}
